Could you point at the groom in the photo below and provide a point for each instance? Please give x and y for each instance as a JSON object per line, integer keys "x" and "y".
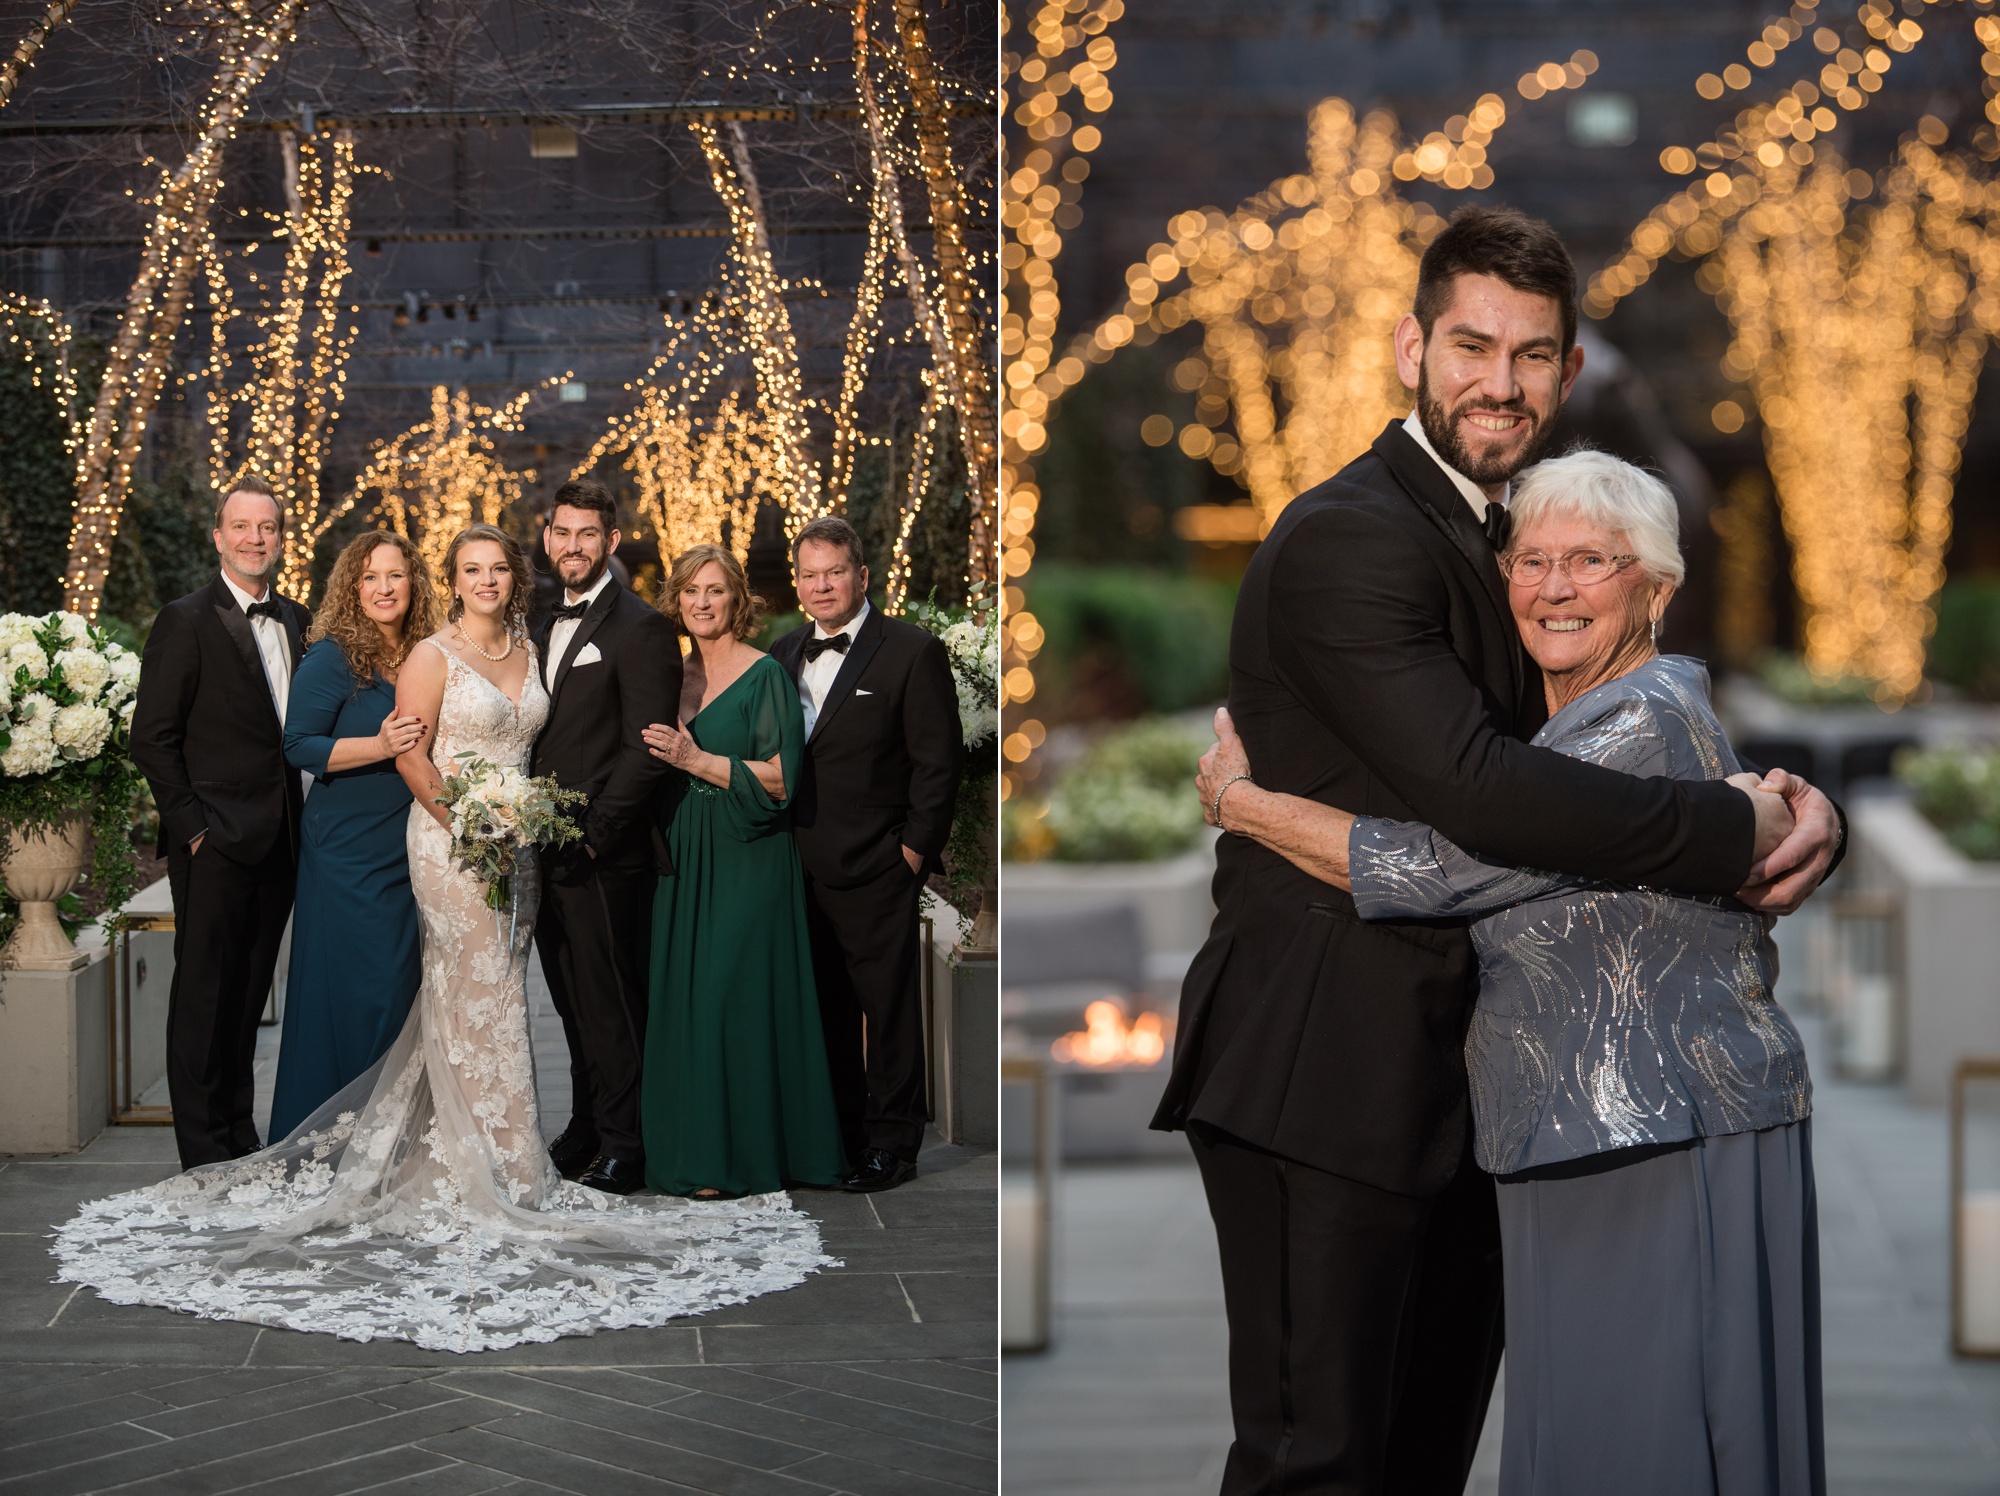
{"x": 611, "y": 665}
{"x": 1319, "y": 1069}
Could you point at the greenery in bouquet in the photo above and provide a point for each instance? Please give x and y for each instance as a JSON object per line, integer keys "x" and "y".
{"x": 1958, "y": 791}
{"x": 65, "y": 742}
{"x": 495, "y": 811}
{"x": 971, "y": 638}
{"x": 1130, "y": 798}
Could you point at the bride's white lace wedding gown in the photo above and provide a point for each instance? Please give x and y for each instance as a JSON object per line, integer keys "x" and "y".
{"x": 420, "y": 1203}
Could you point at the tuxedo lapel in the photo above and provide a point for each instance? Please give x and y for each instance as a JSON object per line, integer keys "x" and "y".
{"x": 1441, "y": 502}
{"x": 589, "y": 624}
{"x": 294, "y": 644}
{"x": 237, "y": 626}
{"x": 867, "y": 639}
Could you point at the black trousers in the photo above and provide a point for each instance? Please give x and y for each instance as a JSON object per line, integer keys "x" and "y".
{"x": 595, "y": 935}
{"x": 1365, "y": 1328}
{"x": 867, "y": 946}
{"x": 229, "y": 920}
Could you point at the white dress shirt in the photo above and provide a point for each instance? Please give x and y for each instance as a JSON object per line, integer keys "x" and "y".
{"x": 1474, "y": 494}
{"x": 565, "y": 628}
{"x": 272, "y": 645}
{"x": 816, "y": 676}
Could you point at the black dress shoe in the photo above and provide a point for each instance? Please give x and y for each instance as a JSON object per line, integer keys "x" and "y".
{"x": 573, "y": 1151}
{"x": 880, "y": 1170}
{"x": 615, "y": 1176}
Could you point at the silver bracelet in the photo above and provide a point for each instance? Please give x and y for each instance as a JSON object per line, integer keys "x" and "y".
{"x": 1233, "y": 778}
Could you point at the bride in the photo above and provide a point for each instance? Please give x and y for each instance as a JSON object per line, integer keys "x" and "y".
{"x": 420, "y": 1203}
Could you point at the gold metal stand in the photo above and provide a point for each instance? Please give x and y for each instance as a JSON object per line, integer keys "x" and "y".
{"x": 124, "y": 1113}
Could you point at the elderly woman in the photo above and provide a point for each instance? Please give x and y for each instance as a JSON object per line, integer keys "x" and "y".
{"x": 1640, "y": 1097}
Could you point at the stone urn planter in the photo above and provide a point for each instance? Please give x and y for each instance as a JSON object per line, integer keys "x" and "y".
{"x": 40, "y": 868}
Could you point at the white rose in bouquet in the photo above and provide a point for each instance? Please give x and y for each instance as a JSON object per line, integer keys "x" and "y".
{"x": 15, "y": 628}
{"x": 35, "y": 708}
{"x": 125, "y": 711}
{"x": 80, "y": 731}
{"x": 85, "y": 671}
{"x": 75, "y": 628}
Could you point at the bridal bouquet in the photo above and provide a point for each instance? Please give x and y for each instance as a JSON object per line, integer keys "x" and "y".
{"x": 495, "y": 812}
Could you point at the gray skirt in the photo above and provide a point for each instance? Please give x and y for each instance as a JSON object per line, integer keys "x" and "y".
{"x": 1663, "y": 1321}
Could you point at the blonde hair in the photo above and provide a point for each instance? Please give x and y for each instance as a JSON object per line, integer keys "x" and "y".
{"x": 746, "y": 609}
{"x": 342, "y": 619}
{"x": 1601, "y": 490}
{"x": 514, "y": 617}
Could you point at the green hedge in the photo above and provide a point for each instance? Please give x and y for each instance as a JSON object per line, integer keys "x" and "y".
{"x": 1163, "y": 637}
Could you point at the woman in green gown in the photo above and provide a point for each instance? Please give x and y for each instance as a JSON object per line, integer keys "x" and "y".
{"x": 736, "y": 1097}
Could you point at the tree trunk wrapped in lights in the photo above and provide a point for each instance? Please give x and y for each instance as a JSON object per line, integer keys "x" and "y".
{"x": 176, "y": 246}
{"x": 1860, "y": 336}
{"x": 300, "y": 377}
{"x": 30, "y": 45}
{"x": 440, "y": 476}
{"x": 773, "y": 348}
{"x": 963, "y": 364}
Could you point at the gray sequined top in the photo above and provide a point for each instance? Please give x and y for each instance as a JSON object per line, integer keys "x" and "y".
{"x": 1608, "y": 1016}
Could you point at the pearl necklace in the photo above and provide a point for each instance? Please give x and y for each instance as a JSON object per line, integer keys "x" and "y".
{"x": 470, "y": 643}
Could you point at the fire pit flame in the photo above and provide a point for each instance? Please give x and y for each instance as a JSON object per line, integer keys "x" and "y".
{"x": 1108, "y": 1040}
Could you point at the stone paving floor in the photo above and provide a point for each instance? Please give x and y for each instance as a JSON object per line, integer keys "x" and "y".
{"x": 876, "y": 1379}
{"x": 1131, "y": 1399}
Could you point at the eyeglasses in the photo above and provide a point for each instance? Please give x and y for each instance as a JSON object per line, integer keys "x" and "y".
{"x": 1585, "y": 568}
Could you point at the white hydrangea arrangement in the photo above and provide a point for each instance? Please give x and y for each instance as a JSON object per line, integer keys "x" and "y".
{"x": 65, "y": 741}
{"x": 974, "y": 648}
{"x": 70, "y": 693}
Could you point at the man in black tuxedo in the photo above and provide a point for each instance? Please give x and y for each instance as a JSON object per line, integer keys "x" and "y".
{"x": 612, "y": 665}
{"x": 883, "y": 757}
{"x": 208, "y": 734}
{"x": 1319, "y": 1066}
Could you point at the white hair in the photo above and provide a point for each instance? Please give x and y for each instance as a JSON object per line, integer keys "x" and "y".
{"x": 1615, "y": 496}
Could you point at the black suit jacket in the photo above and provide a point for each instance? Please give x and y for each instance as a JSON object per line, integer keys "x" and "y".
{"x": 206, "y": 732}
{"x": 883, "y": 761}
{"x": 597, "y": 711}
{"x": 1374, "y": 665}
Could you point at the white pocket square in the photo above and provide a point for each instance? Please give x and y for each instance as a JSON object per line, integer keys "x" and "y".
{"x": 588, "y": 655}
{"x": 859, "y": 692}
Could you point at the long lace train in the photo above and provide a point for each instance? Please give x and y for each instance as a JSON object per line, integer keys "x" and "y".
{"x": 420, "y": 1204}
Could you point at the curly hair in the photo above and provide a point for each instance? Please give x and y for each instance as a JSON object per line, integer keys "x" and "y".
{"x": 746, "y": 609}
{"x": 515, "y": 615}
{"x": 341, "y": 618}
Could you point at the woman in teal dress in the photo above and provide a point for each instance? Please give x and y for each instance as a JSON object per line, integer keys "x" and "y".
{"x": 736, "y": 1098}
{"x": 355, "y": 957}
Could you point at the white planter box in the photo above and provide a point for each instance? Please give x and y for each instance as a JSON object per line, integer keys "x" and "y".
{"x": 1171, "y": 896}
{"x": 1949, "y": 943}
{"x": 53, "y": 1067}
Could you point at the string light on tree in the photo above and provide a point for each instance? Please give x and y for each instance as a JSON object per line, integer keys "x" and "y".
{"x": 1064, "y": 52}
{"x": 30, "y": 46}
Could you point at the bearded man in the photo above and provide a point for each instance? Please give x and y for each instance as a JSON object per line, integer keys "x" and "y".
{"x": 1319, "y": 1069}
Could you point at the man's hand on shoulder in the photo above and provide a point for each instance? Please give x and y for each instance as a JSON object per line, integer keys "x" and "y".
{"x": 1783, "y": 876}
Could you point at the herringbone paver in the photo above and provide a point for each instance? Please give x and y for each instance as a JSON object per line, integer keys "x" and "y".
{"x": 873, "y": 1379}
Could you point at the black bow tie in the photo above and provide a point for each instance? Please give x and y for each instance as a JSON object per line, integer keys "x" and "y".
{"x": 1498, "y": 526}
{"x": 571, "y": 610}
{"x": 268, "y": 608}
{"x": 817, "y": 647}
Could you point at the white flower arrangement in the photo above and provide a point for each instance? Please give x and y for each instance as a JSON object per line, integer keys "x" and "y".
{"x": 974, "y": 650}
{"x": 69, "y": 693}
